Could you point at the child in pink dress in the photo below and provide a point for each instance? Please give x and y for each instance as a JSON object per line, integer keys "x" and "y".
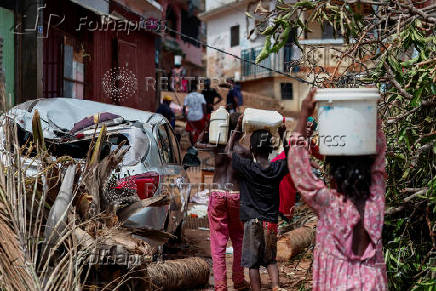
{"x": 348, "y": 253}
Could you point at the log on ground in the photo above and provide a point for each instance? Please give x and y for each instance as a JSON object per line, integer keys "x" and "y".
{"x": 293, "y": 242}
{"x": 179, "y": 274}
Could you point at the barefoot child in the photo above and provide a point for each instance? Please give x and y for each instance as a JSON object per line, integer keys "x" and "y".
{"x": 223, "y": 213}
{"x": 259, "y": 182}
{"x": 348, "y": 254}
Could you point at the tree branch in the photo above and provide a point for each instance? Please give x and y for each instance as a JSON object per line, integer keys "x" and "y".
{"x": 415, "y": 10}
{"x": 423, "y": 104}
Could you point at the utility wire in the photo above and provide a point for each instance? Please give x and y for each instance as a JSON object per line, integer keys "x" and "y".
{"x": 237, "y": 57}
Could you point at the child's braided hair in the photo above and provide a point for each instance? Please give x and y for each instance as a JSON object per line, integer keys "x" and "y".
{"x": 351, "y": 175}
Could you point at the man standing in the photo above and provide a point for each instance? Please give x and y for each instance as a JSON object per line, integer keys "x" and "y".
{"x": 223, "y": 213}
{"x": 234, "y": 97}
{"x": 165, "y": 110}
{"x": 210, "y": 94}
{"x": 195, "y": 115}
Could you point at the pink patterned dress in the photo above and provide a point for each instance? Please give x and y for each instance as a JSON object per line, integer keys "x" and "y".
{"x": 335, "y": 266}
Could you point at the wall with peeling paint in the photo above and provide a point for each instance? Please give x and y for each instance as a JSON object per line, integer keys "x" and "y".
{"x": 218, "y": 35}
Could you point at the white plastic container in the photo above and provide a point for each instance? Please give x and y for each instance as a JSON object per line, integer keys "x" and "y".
{"x": 219, "y": 126}
{"x": 347, "y": 119}
{"x": 256, "y": 119}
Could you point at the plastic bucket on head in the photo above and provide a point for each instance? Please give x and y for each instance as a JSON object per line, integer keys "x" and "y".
{"x": 256, "y": 119}
{"x": 347, "y": 121}
{"x": 219, "y": 126}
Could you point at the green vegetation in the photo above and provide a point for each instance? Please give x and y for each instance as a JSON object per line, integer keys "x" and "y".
{"x": 390, "y": 44}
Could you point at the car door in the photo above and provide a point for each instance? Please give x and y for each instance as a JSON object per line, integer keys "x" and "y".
{"x": 174, "y": 181}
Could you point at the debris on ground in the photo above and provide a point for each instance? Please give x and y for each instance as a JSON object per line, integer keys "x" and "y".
{"x": 179, "y": 274}
{"x": 69, "y": 223}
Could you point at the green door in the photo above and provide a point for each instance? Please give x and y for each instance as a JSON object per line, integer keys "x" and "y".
{"x": 6, "y": 33}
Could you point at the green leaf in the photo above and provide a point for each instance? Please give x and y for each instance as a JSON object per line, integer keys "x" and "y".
{"x": 433, "y": 88}
{"x": 405, "y": 174}
{"x": 417, "y": 99}
{"x": 282, "y": 40}
{"x": 270, "y": 29}
{"x": 409, "y": 62}
{"x": 265, "y": 50}
{"x": 305, "y": 4}
{"x": 394, "y": 64}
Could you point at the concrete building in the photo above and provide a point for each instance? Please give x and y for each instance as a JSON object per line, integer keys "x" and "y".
{"x": 101, "y": 50}
{"x": 231, "y": 29}
{"x": 66, "y": 48}
{"x": 183, "y": 28}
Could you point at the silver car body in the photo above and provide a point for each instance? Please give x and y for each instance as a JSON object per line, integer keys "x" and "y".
{"x": 153, "y": 148}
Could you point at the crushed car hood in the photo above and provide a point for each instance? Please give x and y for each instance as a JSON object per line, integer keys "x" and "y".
{"x": 60, "y": 114}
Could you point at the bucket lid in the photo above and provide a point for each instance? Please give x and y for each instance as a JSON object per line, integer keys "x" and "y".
{"x": 347, "y": 94}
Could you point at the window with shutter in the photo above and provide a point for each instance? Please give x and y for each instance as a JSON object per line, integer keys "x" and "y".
{"x": 234, "y": 36}
{"x": 287, "y": 91}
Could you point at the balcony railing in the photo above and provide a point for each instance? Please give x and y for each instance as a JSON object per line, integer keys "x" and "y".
{"x": 323, "y": 52}
{"x": 281, "y": 62}
{"x": 251, "y": 70}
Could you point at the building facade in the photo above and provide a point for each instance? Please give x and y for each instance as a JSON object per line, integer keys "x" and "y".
{"x": 231, "y": 26}
{"x": 179, "y": 39}
{"x": 88, "y": 49}
{"x": 102, "y": 50}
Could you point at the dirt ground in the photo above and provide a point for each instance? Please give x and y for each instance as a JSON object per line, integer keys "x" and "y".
{"x": 294, "y": 275}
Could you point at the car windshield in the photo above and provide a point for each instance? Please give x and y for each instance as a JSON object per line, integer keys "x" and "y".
{"x": 138, "y": 142}
{"x": 132, "y": 137}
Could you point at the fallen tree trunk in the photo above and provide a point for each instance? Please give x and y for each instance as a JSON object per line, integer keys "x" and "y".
{"x": 179, "y": 274}
{"x": 293, "y": 242}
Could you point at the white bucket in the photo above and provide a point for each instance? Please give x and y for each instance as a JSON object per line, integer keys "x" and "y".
{"x": 347, "y": 119}
{"x": 219, "y": 126}
{"x": 256, "y": 119}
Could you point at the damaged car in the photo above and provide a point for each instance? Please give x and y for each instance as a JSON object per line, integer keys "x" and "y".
{"x": 152, "y": 165}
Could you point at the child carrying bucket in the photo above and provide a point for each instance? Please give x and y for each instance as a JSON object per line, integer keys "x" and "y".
{"x": 348, "y": 254}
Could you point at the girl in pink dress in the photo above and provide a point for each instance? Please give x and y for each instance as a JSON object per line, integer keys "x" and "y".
{"x": 348, "y": 253}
